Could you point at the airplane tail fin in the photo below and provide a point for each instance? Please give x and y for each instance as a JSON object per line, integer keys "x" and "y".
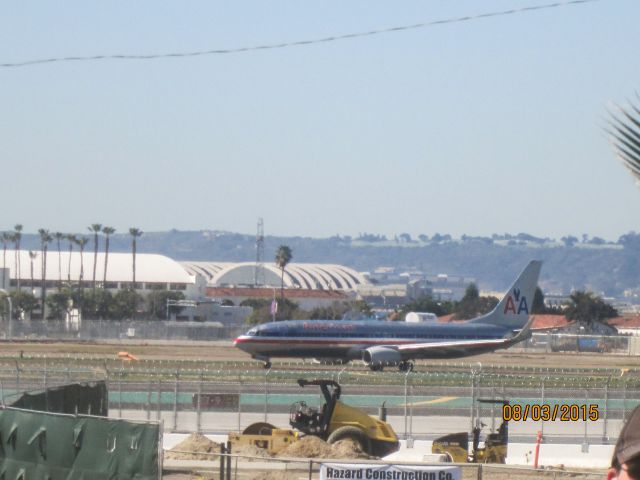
{"x": 514, "y": 308}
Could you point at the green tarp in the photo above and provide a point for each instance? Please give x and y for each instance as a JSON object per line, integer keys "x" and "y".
{"x": 87, "y": 398}
{"x": 55, "y": 446}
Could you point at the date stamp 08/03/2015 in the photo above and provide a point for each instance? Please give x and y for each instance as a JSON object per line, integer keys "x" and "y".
{"x": 563, "y": 412}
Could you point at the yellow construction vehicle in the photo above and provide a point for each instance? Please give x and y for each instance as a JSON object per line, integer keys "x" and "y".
{"x": 333, "y": 421}
{"x": 456, "y": 445}
{"x": 264, "y": 435}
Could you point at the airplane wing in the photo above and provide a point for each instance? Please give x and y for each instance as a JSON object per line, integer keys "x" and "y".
{"x": 461, "y": 347}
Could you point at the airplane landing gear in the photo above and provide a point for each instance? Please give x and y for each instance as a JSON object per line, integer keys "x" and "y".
{"x": 405, "y": 366}
{"x": 267, "y": 365}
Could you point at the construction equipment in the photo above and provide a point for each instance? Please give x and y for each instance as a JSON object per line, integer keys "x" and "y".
{"x": 264, "y": 435}
{"x": 456, "y": 445}
{"x": 332, "y": 422}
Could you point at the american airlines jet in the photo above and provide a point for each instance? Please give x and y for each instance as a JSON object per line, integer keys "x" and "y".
{"x": 380, "y": 343}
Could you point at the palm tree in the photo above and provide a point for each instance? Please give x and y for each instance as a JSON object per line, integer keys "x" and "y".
{"x": 59, "y": 236}
{"x": 96, "y": 228}
{"x": 32, "y": 257}
{"x": 72, "y": 241}
{"x": 6, "y": 238}
{"x": 625, "y": 132}
{"x": 135, "y": 233}
{"x": 283, "y": 257}
{"x": 17, "y": 236}
{"x": 81, "y": 242}
{"x": 45, "y": 238}
{"x": 107, "y": 232}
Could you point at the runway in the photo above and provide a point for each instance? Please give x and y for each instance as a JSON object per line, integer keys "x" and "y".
{"x": 224, "y": 351}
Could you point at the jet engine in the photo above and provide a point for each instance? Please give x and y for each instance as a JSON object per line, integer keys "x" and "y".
{"x": 377, "y": 357}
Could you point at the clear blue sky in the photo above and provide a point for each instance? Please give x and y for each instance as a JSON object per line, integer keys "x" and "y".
{"x": 479, "y": 127}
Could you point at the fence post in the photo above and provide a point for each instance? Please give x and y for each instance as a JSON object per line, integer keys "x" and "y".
{"x": 585, "y": 443}
{"x": 542, "y": 403}
{"x": 17, "y": 378}
{"x": 239, "y": 402}
{"x": 228, "y": 459}
{"x": 121, "y": 373}
{"x": 198, "y": 404}
{"x": 410, "y": 410}
{"x": 46, "y": 390}
{"x": 606, "y": 409}
{"x": 406, "y": 403}
{"x": 159, "y": 399}
{"x": 107, "y": 381}
{"x": 160, "y": 450}
{"x": 493, "y": 410}
{"x": 266, "y": 392}
{"x": 624, "y": 401}
{"x": 148, "y": 401}
{"x": 310, "y": 469}
{"x": 223, "y": 450}
{"x": 175, "y": 401}
{"x": 473, "y": 399}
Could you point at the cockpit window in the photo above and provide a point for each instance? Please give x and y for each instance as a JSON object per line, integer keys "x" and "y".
{"x": 252, "y": 332}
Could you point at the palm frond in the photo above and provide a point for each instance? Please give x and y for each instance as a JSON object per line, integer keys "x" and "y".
{"x": 624, "y": 131}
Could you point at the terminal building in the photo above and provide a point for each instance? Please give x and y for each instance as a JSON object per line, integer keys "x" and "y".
{"x": 153, "y": 272}
{"x": 158, "y": 272}
{"x": 307, "y": 276}
{"x": 205, "y": 285}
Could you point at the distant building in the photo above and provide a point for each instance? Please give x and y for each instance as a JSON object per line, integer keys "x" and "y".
{"x": 449, "y": 287}
{"x": 153, "y": 272}
{"x": 626, "y": 325}
{"x": 305, "y": 276}
{"x": 383, "y": 296}
{"x": 209, "y": 311}
{"x": 306, "y": 299}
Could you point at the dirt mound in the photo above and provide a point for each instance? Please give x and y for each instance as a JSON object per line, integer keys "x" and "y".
{"x": 314, "y": 447}
{"x": 250, "y": 451}
{"x": 194, "y": 447}
{"x": 347, "y": 449}
{"x": 307, "y": 447}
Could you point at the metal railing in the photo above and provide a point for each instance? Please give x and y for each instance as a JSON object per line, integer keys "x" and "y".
{"x": 586, "y": 409}
{"x": 226, "y": 464}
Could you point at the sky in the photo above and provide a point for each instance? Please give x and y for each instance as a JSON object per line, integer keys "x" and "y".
{"x": 491, "y": 125}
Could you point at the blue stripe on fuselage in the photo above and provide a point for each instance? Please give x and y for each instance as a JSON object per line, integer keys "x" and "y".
{"x": 376, "y": 329}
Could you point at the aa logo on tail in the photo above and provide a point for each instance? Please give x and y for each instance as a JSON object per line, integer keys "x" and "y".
{"x": 515, "y": 299}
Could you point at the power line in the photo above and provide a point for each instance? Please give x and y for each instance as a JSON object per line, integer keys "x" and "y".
{"x": 299, "y": 42}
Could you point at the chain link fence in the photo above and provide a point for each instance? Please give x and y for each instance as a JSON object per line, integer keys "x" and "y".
{"x": 183, "y": 330}
{"x": 120, "y": 329}
{"x": 589, "y": 410}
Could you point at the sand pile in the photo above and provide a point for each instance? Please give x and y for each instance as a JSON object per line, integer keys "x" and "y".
{"x": 250, "y": 451}
{"x": 314, "y": 447}
{"x": 307, "y": 447}
{"x": 348, "y": 449}
{"x": 194, "y": 447}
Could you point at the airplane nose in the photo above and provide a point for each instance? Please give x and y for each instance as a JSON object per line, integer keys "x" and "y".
{"x": 241, "y": 344}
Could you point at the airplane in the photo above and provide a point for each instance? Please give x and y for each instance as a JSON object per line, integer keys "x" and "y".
{"x": 384, "y": 343}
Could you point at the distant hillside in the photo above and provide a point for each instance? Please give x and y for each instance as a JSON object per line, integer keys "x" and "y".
{"x": 608, "y": 268}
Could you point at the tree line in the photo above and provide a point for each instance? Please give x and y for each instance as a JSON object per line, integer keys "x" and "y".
{"x": 584, "y": 307}
{"x": 98, "y": 302}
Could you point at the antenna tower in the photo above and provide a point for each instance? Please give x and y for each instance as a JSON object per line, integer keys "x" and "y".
{"x": 258, "y": 278}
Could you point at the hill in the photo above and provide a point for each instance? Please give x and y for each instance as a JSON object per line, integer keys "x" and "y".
{"x": 607, "y": 268}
